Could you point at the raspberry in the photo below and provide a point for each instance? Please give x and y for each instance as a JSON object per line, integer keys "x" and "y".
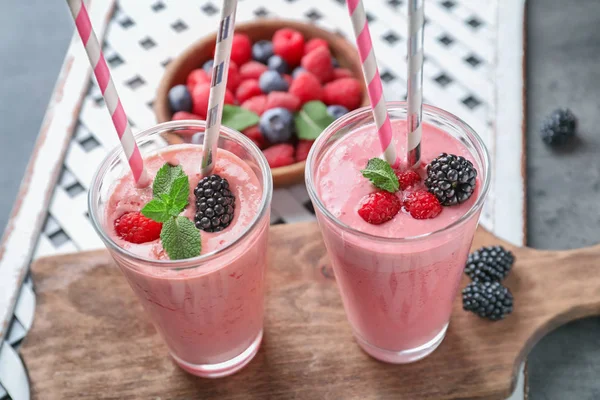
{"x": 254, "y": 134}
{"x": 195, "y": 78}
{"x": 306, "y": 87}
{"x": 247, "y": 89}
{"x": 379, "y": 207}
{"x": 241, "y": 49}
{"x": 314, "y": 43}
{"x": 288, "y": 78}
{"x": 422, "y": 205}
{"x": 339, "y": 73}
{"x": 252, "y": 70}
{"x": 136, "y": 228}
{"x": 256, "y": 104}
{"x": 200, "y": 99}
{"x": 233, "y": 77}
{"x": 184, "y": 115}
{"x": 283, "y": 100}
{"x": 302, "y": 149}
{"x": 345, "y": 92}
{"x": 318, "y": 63}
{"x": 280, "y": 155}
{"x": 407, "y": 178}
{"x": 229, "y": 97}
{"x": 289, "y": 45}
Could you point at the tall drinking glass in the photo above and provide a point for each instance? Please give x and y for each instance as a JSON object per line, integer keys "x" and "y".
{"x": 397, "y": 291}
{"x": 208, "y": 309}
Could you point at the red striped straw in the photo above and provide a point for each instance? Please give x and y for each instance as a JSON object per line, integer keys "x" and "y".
{"x": 218, "y": 87}
{"x": 372, "y": 79}
{"x": 416, "y": 18}
{"x": 111, "y": 98}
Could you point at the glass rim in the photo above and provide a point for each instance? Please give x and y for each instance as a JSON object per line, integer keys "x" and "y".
{"x": 117, "y": 151}
{"x": 401, "y": 105}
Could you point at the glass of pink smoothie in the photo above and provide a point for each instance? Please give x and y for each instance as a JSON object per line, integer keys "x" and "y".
{"x": 398, "y": 280}
{"x": 208, "y": 309}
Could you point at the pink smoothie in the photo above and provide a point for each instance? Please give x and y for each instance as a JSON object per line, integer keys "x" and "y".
{"x": 397, "y": 294}
{"x": 209, "y": 311}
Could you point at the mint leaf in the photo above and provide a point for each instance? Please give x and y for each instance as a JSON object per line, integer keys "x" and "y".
{"x": 312, "y": 119}
{"x": 180, "y": 238}
{"x": 164, "y": 179}
{"x": 156, "y": 210}
{"x": 179, "y": 193}
{"x": 381, "y": 174}
{"x": 238, "y": 118}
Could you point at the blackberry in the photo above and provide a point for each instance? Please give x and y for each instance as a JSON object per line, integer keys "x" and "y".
{"x": 214, "y": 204}
{"x": 451, "y": 178}
{"x": 559, "y": 127}
{"x": 489, "y": 300}
{"x": 489, "y": 264}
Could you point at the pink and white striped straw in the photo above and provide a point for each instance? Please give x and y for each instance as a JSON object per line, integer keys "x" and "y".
{"x": 218, "y": 87}
{"x": 416, "y": 19}
{"x": 107, "y": 87}
{"x": 372, "y": 79}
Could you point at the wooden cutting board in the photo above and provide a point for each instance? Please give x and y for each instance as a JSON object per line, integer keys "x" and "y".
{"x": 91, "y": 340}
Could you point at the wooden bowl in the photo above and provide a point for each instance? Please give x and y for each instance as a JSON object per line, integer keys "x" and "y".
{"x": 178, "y": 70}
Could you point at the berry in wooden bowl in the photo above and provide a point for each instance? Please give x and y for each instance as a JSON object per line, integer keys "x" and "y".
{"x": 287, "y": 81}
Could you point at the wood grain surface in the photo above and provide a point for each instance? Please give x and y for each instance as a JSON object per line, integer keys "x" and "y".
{"x": 91, "y": 340}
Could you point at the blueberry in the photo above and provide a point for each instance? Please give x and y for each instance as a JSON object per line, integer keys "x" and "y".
{"x": 278, "y": 64}
{"x": 272, "y": 81}
{"x": 207, "y": 66}
{"x": 297, "y": 71}
{"x": 262, "y": 51}
{"x": 336, "y": 111}
{"x": 180, "y": 99}
{"x": 277, "y": 125}
{"x": 334, "y": 62}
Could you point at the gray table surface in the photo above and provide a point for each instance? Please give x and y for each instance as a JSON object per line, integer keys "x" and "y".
{"x": 563, "y": 186}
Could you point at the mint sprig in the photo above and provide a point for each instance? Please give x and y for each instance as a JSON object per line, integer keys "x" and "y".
{"x": 238, "y": 118}
{"x": 312, "y": 119}
{"x": 381, "y": 175}
{"x": 170, "y": 192}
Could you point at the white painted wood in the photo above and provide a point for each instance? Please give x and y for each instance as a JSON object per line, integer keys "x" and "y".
{"x": 30, "y": 211}
{"x": 12, "y": 373}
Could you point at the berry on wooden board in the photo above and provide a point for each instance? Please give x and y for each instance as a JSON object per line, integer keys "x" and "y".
{"x": 488, "y": 300}
{"x": 489, "y": 264}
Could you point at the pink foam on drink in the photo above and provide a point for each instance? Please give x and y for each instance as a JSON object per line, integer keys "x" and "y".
{"x": 209, "y": 312}
{"x": 397, "y": 295}
{"x": 244, "y": 185}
